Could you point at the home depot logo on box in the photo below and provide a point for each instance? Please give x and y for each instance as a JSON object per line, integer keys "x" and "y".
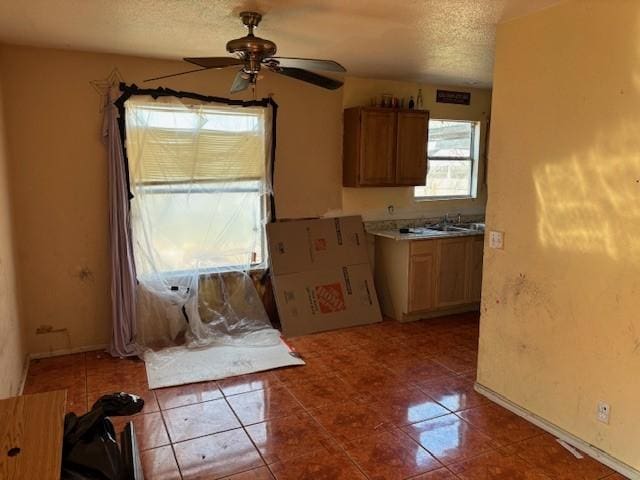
{"x": 320, "y": 244}
{"x": 330, "y": 298}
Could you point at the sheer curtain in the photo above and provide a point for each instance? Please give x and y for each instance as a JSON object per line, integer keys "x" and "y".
{"x": 123, "y": 272}
{"x": 200, "y": 179}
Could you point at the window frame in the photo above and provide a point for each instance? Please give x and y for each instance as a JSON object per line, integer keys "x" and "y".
{"x": 473, "y": 158}
{"x": 156, "y": 188}
{"x": 265, "y": 199}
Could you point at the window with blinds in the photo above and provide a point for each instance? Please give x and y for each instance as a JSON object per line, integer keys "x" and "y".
{"x": 198, "y": 174}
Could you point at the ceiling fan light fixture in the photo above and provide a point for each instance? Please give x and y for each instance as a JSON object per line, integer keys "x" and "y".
{"x": 254, "y": 53}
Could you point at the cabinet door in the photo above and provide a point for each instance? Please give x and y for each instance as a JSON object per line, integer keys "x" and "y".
{"x": 411, "y": 148}
{"x": 377, "y": 148}
{"x": 451, "y": 286}
{"x": 475, "y": 254}
{"x": 421, "y": 282}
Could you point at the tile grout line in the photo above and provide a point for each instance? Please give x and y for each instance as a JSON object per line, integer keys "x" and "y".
{"x": 405, "y": 434}
{"x": 400, "y": 429}
{"x": 173, "y": 450}
{"x": 246, "y": 432}
{"x": 86, "y": 383}
{"x": 463, "y": 372}
{"x": 517, "y": 453}
{"x": 304, "y": 409}
{"x": 307, "y": 411}
{"x": 339, "y": 445}
{"x": 444, "y": 467}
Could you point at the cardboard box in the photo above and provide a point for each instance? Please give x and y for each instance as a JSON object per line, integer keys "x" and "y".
{"x": 321, "y": 275}
{"x": 305, "y": 245}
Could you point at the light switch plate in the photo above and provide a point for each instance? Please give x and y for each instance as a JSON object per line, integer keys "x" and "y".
{"x": 496, "y": 239}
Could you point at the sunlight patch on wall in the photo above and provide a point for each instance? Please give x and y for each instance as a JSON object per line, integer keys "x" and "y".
{"x": 590, "y": 205}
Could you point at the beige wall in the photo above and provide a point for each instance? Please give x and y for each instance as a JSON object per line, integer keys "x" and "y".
{"x": 59, "y": 175}
{"x": 12, "y": 348}
{"x": 560, "y": 327}
{"x": 372, "y": 203}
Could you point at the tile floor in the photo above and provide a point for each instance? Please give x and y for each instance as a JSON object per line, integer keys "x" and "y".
{"x": 381, "y": 402}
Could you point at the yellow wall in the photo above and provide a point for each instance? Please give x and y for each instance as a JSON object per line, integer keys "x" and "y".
{"x": 560, "y": 327}
{"x": 59, "y": 175}
{"x": 372, "y": 203}
{"x": 12, "y": 349}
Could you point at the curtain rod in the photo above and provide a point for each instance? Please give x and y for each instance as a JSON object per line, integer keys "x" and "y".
{"x": 130, "y": 90}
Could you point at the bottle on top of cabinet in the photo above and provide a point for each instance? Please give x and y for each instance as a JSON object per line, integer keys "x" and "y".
{"x": 419, "y": 101}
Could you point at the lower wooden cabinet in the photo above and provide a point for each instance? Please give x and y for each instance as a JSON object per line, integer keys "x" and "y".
{"x": 450, "y": 285}
{"x": 475, "y": 256}
{"x": 428, "y": 277}
{"x": 422, "y": 269}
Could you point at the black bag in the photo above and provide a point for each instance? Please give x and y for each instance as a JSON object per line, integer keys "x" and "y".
{"x": 90, "y": 450}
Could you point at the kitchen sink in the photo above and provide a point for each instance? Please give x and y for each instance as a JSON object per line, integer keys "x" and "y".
{"x": 447, "y": 228}
{"x": 443, "y": 227}
{"x": 470, "y": 226}
{"x": 456, "y": 227}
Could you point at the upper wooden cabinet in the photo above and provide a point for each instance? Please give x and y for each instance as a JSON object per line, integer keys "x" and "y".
{"x": 411, "y": 147}
{"x": 378, "y": 141}
{"x": 384, "y": 147}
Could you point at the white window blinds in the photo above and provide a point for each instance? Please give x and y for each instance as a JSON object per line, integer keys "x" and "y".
{"x": 178, "y": 143}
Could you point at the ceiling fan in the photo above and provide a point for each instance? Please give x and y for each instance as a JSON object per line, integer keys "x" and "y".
{"x": 254, "y": 53}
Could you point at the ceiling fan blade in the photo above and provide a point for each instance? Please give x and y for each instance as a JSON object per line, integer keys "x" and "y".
{"x": 214, "y": 62}
{"x": 309, "y": 77}
{"x": 175, "y": 74}
{"x": 308, "y": 63}
{"x": 241, "y": 82}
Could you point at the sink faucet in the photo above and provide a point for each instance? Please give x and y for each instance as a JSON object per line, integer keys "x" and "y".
{"x": 445, "y": 220}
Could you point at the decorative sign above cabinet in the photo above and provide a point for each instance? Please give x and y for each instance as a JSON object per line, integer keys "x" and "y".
{"x": 449, "y": 96}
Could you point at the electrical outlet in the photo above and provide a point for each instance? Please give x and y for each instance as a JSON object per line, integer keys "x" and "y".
{"x": 604, "y": 409}
{"x": 496, "y": 239}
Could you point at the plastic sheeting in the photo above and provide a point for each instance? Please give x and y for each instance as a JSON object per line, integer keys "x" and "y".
{"x": 199, "y": 175}
{"x": 181, "y": 365}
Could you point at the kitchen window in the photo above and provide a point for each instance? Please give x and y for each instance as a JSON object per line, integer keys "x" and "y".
{"x": 452, "y": 153}
{"x": 199, "y": 179}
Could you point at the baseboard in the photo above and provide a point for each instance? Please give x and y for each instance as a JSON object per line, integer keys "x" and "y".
{"x": 443, "y": 312}
{"x": 53, "y": 353}
{"x": 66, "y": 351}
{"x": 558, "y": 432}
{"x": 25, "y": 371}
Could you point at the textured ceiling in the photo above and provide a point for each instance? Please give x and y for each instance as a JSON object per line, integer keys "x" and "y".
{"x": 438, "y": 41}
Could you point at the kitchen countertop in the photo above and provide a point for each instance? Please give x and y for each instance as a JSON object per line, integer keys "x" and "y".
{"x": 423, "y": 234}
